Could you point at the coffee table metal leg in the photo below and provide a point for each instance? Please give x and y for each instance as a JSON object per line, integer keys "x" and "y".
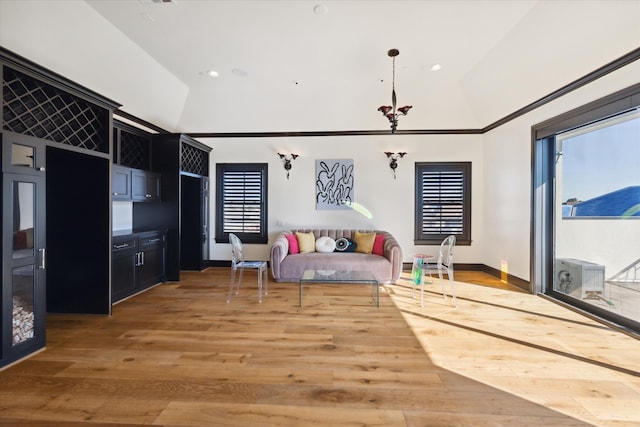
{"x": 300, "y": 293}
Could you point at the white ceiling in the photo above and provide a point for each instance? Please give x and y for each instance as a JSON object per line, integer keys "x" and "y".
{"x": 283, "y": 67}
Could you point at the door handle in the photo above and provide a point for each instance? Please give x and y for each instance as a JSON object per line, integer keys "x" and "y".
{"x": 42, "y": 252}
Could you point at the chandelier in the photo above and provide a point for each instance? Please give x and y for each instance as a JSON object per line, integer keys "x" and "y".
{"x": 391, "y": 112}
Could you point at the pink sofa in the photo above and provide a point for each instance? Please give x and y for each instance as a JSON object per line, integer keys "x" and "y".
{"x": 287, "y": 267}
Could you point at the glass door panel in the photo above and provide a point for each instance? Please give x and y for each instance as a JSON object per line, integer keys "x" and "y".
{"x": 597, "y": 218}
{"x": 23, "y": 274}
{"x": 23, "y": 298}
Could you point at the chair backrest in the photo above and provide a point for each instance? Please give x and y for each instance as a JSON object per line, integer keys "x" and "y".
{"x": 446, "y": 251}
{"x": 236, "y": 249}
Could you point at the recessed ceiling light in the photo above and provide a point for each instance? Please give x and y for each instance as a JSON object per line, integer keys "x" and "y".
{"x": 436, "y": 67}
{"x": 209, "y": 73}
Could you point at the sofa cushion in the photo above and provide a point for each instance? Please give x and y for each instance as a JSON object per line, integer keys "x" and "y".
{"x": 306, "y": 242}
{"x": 378, "y": 245}
{"x": 325, "y": 244}
{"x": 293, "y": 243}
{"x": 364, "y": 241}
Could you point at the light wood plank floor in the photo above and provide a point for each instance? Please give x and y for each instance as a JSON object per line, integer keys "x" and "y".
{"x": 178, "y": 355}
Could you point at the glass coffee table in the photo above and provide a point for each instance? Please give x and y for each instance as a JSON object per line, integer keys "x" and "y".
{"x": 346, "y": 277}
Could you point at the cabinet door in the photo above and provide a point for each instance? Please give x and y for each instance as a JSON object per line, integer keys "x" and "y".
{"x": 153, "y": 186}
{"x": 120, "y": 183}
{"x": 123, "y": 269}
{"x": 23, "y": 275}
{"x": 145, "y": 186}
{"x": 151, "y": 261}
{"x": 23, "y": 154}
{"x": 139, "y": 185}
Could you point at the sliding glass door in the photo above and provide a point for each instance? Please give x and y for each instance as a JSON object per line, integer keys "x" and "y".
{"x": 586, "y": 208}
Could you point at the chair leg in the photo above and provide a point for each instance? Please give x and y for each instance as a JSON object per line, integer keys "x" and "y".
{"x": 232, "y": 284}
{"x": 266, "y": 280}
{"x": 444, "y": 294}
{"x": 451, "y": 283}
{"x": 259, "y": 271}
{"x": 239, "y": 281}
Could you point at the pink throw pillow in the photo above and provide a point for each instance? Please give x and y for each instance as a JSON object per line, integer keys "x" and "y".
{"x": 293, "y": 243}
{"x": 378, "y": 245}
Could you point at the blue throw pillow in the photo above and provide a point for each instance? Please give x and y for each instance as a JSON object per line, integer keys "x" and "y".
{"x": 344, "y": 244}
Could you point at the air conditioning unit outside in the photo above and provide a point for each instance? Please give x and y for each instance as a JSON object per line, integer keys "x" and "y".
{"x": 574, "y": 276}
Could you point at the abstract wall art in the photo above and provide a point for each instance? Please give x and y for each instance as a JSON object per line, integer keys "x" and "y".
{"x": 334, "y": 184}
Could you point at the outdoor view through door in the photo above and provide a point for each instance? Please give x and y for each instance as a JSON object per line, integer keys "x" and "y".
{"x": 597, "y": 215}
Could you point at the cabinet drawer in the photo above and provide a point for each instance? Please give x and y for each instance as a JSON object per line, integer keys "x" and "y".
{"x": 151, "y": 239}
{"x": 123, "y": 245}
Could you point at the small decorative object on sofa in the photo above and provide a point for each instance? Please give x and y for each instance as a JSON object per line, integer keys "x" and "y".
{"x": 379, "y": 253}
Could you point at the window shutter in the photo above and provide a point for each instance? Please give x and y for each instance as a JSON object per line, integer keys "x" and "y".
{"x": 442, "y": 202}
{"x": 242, "y": 202}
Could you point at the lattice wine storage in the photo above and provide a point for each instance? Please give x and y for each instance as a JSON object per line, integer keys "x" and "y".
{"x": 134, "y": 150}
{"x": 194, "y": 160}
{"x": 31, "y": 107}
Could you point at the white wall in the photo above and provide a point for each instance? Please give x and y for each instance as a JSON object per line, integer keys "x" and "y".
{"x": 507, "y": 191}
{"x": 501, "y": 181}
{"x": 390, "y": 201}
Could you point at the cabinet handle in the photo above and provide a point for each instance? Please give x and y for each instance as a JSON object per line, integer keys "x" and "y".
{"x": 142, "y": 256}
{"x": 115, "y": 194}
{"x": 153, "y": 240}
{"x": 41, "y": 169}
{"x": 124, "y": 245}
{"x": 148, "y": 196}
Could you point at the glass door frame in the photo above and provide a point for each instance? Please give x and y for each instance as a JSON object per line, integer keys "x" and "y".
{"x": 543, "y": 152}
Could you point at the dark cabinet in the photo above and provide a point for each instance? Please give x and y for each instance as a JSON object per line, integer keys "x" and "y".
{"x": 183, "y": 209}
{"x": 137, "y": 262}
{"x": 151, "y": 259}
{"x": 194, "y": 223}
{"x": 134, "y": 185}
{"x": 23, "y": 299}
{"x": 145, "y": 186}
{"x": 123, "y": 267}
{"x": 120, "y": 183}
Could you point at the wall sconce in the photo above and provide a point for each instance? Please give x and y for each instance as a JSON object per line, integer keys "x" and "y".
{"x": 286, "y": 160}
{"x": 393, "y": 164}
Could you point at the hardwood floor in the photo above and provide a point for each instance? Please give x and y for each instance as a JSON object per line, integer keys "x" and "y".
{"x": 178, "y": 355}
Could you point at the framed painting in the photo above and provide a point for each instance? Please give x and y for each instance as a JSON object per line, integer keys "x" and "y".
{"x": 334, "y": 184}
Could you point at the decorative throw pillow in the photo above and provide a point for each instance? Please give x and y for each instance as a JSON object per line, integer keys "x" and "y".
{"x": 306, "y": 242}
{"x": 364, "y": 241}
{"x": 378, "y": 245}
{"x": 352, "y": 246}
{"x": 342, "y": 243}
{"x": 293, "y": 243}
{"x": 325, "y": 244}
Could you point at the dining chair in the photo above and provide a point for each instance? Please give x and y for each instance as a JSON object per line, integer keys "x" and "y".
{"x": 444, "y": 265}
{"x": 239, "y": 263}
{"x": 423, "y": 265}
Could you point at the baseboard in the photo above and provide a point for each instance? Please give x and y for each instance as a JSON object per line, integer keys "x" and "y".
{"x": 511, "y": 279}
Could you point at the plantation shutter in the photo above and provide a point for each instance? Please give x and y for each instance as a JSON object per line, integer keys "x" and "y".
{"x": 442, "y": 201}
{"x": 242, "y": 205}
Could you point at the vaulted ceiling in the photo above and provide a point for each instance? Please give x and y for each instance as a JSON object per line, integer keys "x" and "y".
{"x": 293, "y": 66}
